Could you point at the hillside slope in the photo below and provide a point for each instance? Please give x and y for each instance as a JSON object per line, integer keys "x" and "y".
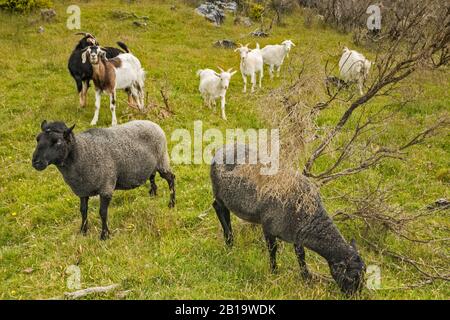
{"x": 155, "y": 252}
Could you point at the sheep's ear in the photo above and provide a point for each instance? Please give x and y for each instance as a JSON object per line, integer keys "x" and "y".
{"x": 43, "y": 125}
{"x": 83, "y": 56}
{"x": 68, "y": 132}
{"x": 353, "y": 244}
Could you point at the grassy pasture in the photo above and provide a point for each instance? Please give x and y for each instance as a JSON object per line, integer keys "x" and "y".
{"x": 155, "y": 252}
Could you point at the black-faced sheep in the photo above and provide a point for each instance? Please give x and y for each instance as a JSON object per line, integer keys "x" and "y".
{"x": 306, "y": 225}
{"x": 99, "y": 161}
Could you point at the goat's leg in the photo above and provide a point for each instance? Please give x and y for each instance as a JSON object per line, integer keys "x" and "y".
{"x": 104, "y": 204}
{"x": 300, "y": 252}
{"x": 112, "y": 106}
{"x": 137, "y": 98}
{"x": 244, "y": 78}
{"x": 98, "y": 98}
{"x": 224, "y": 217}
{"x": 84, "y": 211}
{"x": 153, "y": 186}
{"x": 82, "y": 90}
{"x": 222, "y": 107}
{"x": 170, "y": 178}
{"x": 271, "y": 242}
{"x": 361, "y": 86}
{"x": 253, "y": 79}
{"x": 278, "y": 70}
{"x": 131, "y": 102}
{"x": 271, "y": 71}
{"x": 261, "y": 76}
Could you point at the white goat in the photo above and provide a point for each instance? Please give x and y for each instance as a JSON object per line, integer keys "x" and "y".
{"x": 251, "y": 63}
{"x": 122, "y": 72}
{"x": 214, "y": 85}
{"x": 273, "y": 55}
{"x": 353, "y": 66}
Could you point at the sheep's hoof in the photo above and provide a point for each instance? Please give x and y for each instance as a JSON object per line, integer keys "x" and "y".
{"x": 84, "y": 229}
{"x": 104, "y": 235}
{"x": 306, "y": 276}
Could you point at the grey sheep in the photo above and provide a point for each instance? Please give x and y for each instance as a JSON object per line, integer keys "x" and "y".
{"x": 281, "y": 217}
{"x": 99, "y": 161}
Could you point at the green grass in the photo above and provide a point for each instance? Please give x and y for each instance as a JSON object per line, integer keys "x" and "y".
{"x": 156, "y": 252}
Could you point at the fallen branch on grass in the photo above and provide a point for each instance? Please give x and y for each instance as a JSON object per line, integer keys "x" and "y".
{"x": 88, "y": 291}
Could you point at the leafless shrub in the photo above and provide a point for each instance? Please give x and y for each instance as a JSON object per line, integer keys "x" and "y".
{"x": 327, "y": 150}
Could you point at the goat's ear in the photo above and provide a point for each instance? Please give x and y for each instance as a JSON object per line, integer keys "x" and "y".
{"x": 103, "y": 55}
{"x": 353, "y": 244}
{"x": 68, "y": 132}
{"x": 83, "y": 56}
{"x": 43, "y": 125}
{"x": 217, "y": 74}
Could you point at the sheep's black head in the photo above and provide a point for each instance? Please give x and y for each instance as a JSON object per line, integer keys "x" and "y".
{"x": 87, "y": 40}
{"x": 94, "y": 54}
{"x": 53, "y": 144}
{"x": 349, "y": 274}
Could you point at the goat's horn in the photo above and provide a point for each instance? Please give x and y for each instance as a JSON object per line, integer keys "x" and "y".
{"x": 221, "y": 70}
{"x": 229, "y": 70}
{"x": 247, "y": 44}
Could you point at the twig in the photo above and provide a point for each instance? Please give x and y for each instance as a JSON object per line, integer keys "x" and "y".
{"x": 88, "y": 291}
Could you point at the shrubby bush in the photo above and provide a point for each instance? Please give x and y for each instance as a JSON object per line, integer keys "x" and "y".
{"x": 24, "y": 5}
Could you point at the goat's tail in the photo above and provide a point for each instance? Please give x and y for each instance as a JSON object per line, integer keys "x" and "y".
{"x": 123, "y": 46}
{"x": 199, "y": 72}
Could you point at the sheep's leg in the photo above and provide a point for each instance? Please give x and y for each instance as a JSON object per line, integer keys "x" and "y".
{"x": 112, "y": 106}
{"x": 300, "y": 252}
{"x": 244, "y": 78}
{"x": 222, "y": 107}
{"x": 170, "y": 178}
{"x": 253, "y": 79}
{"x": 104, "y": 203}
{"x": 98, "y": 97}
{"x": 84, "y": 211}
{"x": 271, "y": 71}
{"x": 153, "y": 186}
{"x": 271, "y": 242}
{"x": 224, "y": 217}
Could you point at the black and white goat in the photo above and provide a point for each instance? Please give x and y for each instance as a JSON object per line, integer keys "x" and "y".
{"x": 82, "y": 72}
{"x": 121, "y": 72}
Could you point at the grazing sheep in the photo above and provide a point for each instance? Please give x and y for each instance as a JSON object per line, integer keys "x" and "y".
{"x": 273, "y": 55}
{"x": 251, "y": 63}
{"x": 305, "y": 225}
{"x": 82, "y": 72}
{"x": 214, "y": 85}
{"x": 122, "y": 72}
{"x": 99, "y": 161}
{"x": 353, "y": 66}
